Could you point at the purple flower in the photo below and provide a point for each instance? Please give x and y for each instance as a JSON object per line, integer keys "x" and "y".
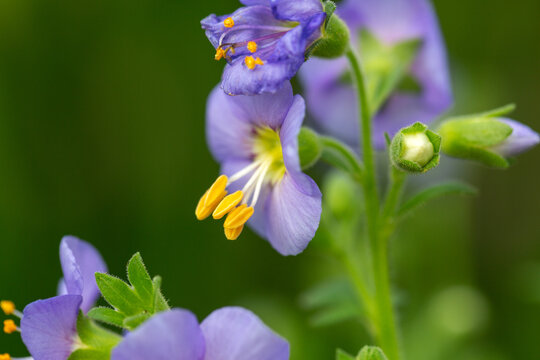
{"x": 229, "y": 333}
{"x": 520, "y": 140}
{"x": 332, "y": 101}
{"x": 255, "y": 140}
{"x": 264, "y": 42}
{"x": 49, "y": 327}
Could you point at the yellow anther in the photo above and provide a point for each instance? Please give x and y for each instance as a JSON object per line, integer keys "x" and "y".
{"x": 229, "y": 22}
{"x": 238, "y": 217}
{"x": 220, "y": 54}
{"x": 202, "y": 211}
{"x": 5, "y": 357}
{"x": 233, "y": 234}
{"x": 216, "y": 191}
{"x": 252, "y": 46}
{"x": 8, "y": 307}
{"x": 227, "y": 204}
{"x": 252, "y": 62}
{"x": 9, "y": 326}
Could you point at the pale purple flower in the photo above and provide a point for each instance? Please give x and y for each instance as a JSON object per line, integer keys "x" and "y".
{"x": 230, "y": 333}
{"x": 332, "y": 101}
{"x": 264, "y": 42}
{"x": 49, "y": 327}
{"x": 255, "y": 140}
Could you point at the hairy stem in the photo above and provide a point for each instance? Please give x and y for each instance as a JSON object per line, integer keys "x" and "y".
{"x": 384, "y": 321}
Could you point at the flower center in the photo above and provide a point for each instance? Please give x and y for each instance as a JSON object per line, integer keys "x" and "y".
{"x": 267, "y": 167}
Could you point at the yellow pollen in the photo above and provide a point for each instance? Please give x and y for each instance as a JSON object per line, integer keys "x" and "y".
{"x": 220, "y": 54}
{"x": 227, "y": 204}
{"x": 9, "y": 326}
{"x": 5, "y": 357}
{"x": 202, "y": 211}
{"x": 233, "y": 234}
{"x": 238, "y": 216}
{"x": 252, "y": 46}
{"x": 229, "y": 22}
{"x": 8, "y": 307}
{"x": 251, "y": 62}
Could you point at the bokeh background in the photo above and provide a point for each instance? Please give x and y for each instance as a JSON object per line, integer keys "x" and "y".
{"x": 102, "y": 136}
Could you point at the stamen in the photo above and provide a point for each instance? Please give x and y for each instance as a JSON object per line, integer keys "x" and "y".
{"x": 8, "y": 307}
{"x": 260, "y": 182}
{"x": 10, "y": 327}
{"x": 227, "y": 204}
{"x": 252, "y": 46}
{"x": 202, "y": 211}
{"x": 5, "y": 357}
{"x": 220, "y": 54}
{"x": 216, "y": 190}
{"x": 251, "y": 63}
{"x": 240, "y": 174}
{"x": 233, "y": 234}
{"x": 238, "y": 216}
{"x": 229, "y": 22}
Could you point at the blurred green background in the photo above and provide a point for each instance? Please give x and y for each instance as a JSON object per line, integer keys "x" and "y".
{"x": 102, "y": 136}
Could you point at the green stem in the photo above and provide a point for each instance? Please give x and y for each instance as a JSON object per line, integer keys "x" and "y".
{"x": 338, "y": 154}
{"x": 384, "y": 321}
{"x": 395, "y": 189}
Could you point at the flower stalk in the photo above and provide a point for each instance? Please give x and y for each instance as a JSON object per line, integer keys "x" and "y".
{"x": 383, "y": 319}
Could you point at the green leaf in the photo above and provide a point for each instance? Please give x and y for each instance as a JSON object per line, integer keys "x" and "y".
{"x": 132, "y": 322}
{"x": 371, "y": 353}
{"x": 333, "y": 301}
{"x": 95, "y": 336}
{"x": 90, "y": 354}
{"x": 107, "y": 315}
{"x": 342, "y": 355}
{"x": 119, "y": 294}
{"x": 160, "y": 304}
{"x": 434, "y": 192}
{"x": 140, "y": 280}
{"x": 385, "y": 66}
{"x": 501, "y": 111}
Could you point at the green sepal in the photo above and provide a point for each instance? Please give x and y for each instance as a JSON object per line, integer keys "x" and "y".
{"x": 90, "y": 354}
{"x": 386, "y": 67}
{"x": 472, "y": 137}
{"x": 160, "y": 303}
{"x": 334, "y": 40}
{"x": 119, "y": 295}
{"x": 342, "y": 355}
{"x": 94, "y": 336}
{"x": 432, "y": 193}
{"x": 309, "y": 148}
{"x": 329, "y": 9}
{"x": 107, "y": 316}
{"x": 132, "y": 322}
{"x": 397, "y": 149}
{"x": 371, "y": 353}
{"x": 140, "y": 280}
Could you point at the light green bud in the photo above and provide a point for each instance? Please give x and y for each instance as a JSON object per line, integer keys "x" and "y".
{"x": 415, "y": 149}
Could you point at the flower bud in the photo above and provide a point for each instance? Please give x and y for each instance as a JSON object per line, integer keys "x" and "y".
{"x": 371, "y": 353}
{"x": 335, "y": 35}
{"x": 486, "y": 139}
{"x": 415, "y": 149}
{"x": 309, "y": 148}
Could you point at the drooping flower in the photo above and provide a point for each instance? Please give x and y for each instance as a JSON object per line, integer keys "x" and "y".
{"x": 255, "y": 140}
{"x": 49, "y": 327}
{"x": 264, "y": 42}
{"x": 331, "y": 98}
{"x": 229, "y": 333}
